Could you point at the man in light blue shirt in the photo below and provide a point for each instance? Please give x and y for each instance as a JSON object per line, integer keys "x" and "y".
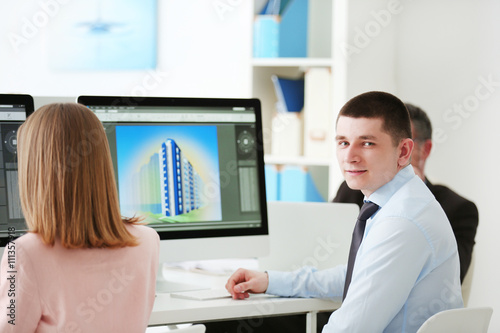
{"x": 407, "y": 267}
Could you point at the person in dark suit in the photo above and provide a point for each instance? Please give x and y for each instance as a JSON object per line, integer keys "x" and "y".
{"x": 462, "y": 213}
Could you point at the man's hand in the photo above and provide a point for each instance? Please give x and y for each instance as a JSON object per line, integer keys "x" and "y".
{"x": 244, "y": 281}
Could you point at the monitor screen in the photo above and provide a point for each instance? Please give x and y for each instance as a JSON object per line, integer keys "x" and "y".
{"x": 193, "y": 167}
{"x": 14, "y": 109}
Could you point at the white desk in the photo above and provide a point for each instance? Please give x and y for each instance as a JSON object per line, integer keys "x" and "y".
{"x": 173, "y": 311}
{"x": 300, "y": 233}
{"x": 170, "y": 311}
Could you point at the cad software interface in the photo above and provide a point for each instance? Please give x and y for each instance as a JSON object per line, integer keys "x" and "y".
{"x": 185, "y": 168}
{"x": 11, "y": 216}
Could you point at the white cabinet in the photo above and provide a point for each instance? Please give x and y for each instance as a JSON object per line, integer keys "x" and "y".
{"x": 348, "y": 37}
{"x": 325, "y": 26}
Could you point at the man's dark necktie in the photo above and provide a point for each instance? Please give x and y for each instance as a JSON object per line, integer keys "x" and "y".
{"x": 368, "y": 209}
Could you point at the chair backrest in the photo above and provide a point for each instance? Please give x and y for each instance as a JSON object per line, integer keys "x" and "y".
{"x": 465, "y": 320}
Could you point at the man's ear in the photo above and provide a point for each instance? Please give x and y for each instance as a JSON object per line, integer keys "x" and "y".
{"x": 427, "y": 149}
{"x": 405, "y": 149}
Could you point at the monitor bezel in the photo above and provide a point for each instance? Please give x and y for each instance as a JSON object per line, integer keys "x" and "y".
{"x": 21, "y": 99}
{"x": 89, "y": 100}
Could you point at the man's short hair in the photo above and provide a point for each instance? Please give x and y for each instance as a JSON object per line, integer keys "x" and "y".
{"x": 378, "y": 104}
{"x": 421, "y": 123}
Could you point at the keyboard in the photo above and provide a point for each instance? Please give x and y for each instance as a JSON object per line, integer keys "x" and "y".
{"x": 202, "y": 295}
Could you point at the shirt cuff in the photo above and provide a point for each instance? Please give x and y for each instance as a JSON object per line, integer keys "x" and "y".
{"x": 280, "y": 283}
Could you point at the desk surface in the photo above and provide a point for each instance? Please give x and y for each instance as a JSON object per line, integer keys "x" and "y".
{"x": 170, "y": 311}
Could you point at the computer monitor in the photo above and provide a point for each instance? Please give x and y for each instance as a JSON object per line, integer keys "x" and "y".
{"x": 14, "y": 109}
{"x": 194, "y": 168}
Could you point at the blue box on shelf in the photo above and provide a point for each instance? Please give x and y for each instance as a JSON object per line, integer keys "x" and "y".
{"x": 266, "y": 36}
{"x": 280, "y": 30}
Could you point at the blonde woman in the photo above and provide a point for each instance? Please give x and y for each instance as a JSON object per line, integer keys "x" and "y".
{"x": 82, "y": 267}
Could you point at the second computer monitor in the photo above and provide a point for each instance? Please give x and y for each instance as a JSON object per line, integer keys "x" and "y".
{"x": 14, "y": 109}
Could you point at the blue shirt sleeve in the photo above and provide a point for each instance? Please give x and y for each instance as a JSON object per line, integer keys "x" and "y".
{"x": 308, "y": 282}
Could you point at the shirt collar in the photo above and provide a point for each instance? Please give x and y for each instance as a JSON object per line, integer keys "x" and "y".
{"x": 385, "y": 192}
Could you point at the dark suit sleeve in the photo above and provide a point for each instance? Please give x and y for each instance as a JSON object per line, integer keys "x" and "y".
{"x": 464, "y": 219}
{"x": 464, "y": 222}
{"x": 346, "y": 195}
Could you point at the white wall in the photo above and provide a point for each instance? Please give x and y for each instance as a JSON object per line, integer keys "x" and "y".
{"x": 203, "y": 51}
{"x": 369, "y": 48}
{"x": 445, "y": 51}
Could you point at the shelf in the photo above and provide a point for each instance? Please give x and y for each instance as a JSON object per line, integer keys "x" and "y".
{"x": 323, "y": 25}
{"x": 299, "y": 160}
{"x": 292, "y": 62}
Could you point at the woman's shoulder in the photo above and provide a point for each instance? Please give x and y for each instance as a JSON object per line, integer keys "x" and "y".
{"x": 29, "y": 240}
{"x": 142, "y": 231}
{"x": 30, "y": 245}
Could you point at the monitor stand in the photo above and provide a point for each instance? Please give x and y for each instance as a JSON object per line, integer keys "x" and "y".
{"x": 168, "y": 281}
{"x": 199, "y": 275}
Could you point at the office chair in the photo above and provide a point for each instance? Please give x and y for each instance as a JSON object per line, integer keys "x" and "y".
{"x": 198, "y": 328}
{"x": 464, "y": 320}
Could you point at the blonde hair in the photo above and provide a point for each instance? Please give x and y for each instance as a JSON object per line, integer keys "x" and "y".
{"x": 66, "y": 179}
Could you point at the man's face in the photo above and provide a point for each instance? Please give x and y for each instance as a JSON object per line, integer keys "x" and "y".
{"x": 366, "y": 154}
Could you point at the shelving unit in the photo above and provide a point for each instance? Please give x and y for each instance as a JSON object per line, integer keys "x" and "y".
{"x": 326, "y": 26}
{"x": 292, "y": 62}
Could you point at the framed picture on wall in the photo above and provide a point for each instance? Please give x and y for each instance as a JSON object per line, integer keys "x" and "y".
{"x": 103, "y": 35}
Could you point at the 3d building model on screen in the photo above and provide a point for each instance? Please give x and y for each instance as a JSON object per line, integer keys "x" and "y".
{"x": 169, "y": 174}
{"x": 168, "y": 184}
{"x": 180, "y": 183}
